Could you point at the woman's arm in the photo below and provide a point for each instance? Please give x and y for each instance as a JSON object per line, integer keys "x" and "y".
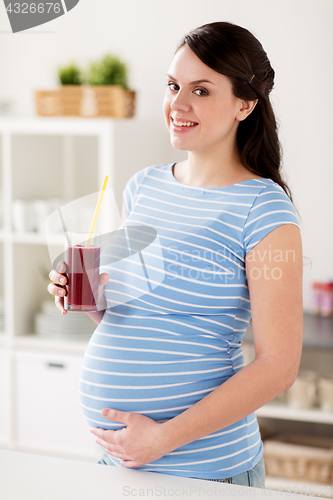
{"x": 275, "y": 288}
{"x": 274, "y": 269}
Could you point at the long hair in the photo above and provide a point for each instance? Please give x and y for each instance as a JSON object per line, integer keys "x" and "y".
{"x": 234, "y": 52}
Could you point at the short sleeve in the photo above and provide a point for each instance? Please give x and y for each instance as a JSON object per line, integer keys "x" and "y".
{"x": 271, "y": 208}
{"x": 131, "y": 190}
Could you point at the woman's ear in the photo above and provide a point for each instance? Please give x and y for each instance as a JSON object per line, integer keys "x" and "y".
{"x": 246, "y": 108}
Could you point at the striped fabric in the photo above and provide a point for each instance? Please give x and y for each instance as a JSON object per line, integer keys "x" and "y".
{"x": 177, "y": 310}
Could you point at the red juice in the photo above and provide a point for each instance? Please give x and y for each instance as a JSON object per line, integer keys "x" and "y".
{"x": 83, "y": 277}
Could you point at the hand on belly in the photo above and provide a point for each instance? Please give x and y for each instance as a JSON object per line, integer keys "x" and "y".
{"x": 139, "y": 443}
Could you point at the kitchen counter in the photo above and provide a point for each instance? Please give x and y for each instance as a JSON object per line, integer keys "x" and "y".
{"x": 35, "y": 477}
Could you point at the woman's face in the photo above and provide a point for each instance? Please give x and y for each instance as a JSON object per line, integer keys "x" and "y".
{"x": 200, "y": 109}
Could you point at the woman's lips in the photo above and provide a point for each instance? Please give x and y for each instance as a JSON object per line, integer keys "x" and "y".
{"x": 180, "y": 125}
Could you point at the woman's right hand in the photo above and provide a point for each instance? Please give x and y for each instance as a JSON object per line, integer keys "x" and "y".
{"x": 58, "y": 287}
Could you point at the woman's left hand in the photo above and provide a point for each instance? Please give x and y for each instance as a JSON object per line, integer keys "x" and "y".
{"x": 139, "y": 443}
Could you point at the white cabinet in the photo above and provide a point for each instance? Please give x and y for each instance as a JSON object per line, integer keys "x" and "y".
{"x": 4, "y": 396}
{"x": 48, "y": 413}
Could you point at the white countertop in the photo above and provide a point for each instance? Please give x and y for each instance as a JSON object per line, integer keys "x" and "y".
{"x": 24, "y": 476}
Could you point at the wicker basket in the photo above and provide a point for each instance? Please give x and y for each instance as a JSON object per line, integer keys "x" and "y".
{"x": 87, "y": 101}
{"x": 299, "y": 457}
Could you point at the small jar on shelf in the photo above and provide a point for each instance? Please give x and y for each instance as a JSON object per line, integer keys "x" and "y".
{"x": 322, "y": 299}
{"x": 315, "y": 297}
{"x": 326, "y": 303}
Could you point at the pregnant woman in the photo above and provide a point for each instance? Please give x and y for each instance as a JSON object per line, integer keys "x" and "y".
{"x": 163, "y": 382}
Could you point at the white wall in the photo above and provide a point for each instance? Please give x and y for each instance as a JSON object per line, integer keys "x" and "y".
{"x": 296, "y": 34}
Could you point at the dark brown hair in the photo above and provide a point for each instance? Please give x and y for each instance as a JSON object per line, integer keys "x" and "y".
{"x": 234, "y": 52}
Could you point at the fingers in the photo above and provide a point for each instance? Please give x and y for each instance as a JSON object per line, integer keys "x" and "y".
{"x": 58, "y": 276}
{"x": 131, "y": 464}
{"x": 102, "y": 433}
{"x": 57, "y": 288}
{"x": 105, "y": 439}
{"x": 117, "y": 455}
{"x": 103, "y": 279}
{"x": 59, "y": 302}
{"x": 115, "y": 451}
{"x": 59, "y": 292}
{"x": 117, "y": 415}
{"x": 61, "y": 267}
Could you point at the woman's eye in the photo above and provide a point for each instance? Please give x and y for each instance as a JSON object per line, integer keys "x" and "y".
{"x": 173, "y": 86}
{"x": 201, "y": 92}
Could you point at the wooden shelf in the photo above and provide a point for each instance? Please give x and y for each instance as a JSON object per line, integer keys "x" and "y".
{"x": 284, "y": 412}
{"x": 56, "y": 126}
{"x": 37, "y": 238}
{"x": 39, "y": 344}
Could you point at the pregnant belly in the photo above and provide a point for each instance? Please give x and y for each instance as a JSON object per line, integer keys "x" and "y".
{"x": 153, "y": 377}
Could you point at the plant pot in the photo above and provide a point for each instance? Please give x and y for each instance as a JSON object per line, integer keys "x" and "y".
{"x": 110, "y": 101}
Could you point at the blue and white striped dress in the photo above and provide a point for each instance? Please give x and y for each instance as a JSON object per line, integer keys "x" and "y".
{"x": 177, "y": 311}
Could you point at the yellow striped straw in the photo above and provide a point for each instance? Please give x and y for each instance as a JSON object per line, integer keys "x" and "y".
{"x": 97, "y": 209}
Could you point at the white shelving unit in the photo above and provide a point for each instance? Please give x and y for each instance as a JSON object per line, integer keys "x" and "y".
{"x": 284, "y": 412}
{"x": 47, "y": 158}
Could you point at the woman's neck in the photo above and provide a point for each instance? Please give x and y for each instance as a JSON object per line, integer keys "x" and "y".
{"x": 205, "y": 171}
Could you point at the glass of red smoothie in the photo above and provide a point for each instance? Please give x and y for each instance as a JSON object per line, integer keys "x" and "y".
{"x": 82, "y": 258}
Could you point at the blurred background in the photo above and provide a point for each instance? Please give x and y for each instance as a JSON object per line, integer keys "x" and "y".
{"x": 62, "y": 160}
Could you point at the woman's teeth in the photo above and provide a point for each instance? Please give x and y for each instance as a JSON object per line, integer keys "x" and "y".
{"x": 184, "y": 124}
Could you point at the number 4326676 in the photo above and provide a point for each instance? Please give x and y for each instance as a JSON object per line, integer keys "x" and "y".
{"x": 32, "y": 8}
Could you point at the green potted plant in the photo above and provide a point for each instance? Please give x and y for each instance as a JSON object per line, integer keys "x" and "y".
{"x": 70, "y": 75}
{"x": 107, "y": 79}
{"x": 110, "y": 70}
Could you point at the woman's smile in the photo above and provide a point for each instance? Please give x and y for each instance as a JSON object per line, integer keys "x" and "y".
{"x": 181, "y": 125}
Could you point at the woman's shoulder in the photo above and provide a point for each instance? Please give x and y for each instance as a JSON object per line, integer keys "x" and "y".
{"x": 270, "y": 188}
{"x": 262, "y": 189}
{"x": 262, "y": 184}
{"x": 146, "y": 177}
{"x": 271, "y": 208}
{"x": 141, "y": 174}
{"x": 271, "y": 202}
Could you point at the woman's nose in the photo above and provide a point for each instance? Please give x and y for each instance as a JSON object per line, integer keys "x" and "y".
{"x": 180, "y": 103}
